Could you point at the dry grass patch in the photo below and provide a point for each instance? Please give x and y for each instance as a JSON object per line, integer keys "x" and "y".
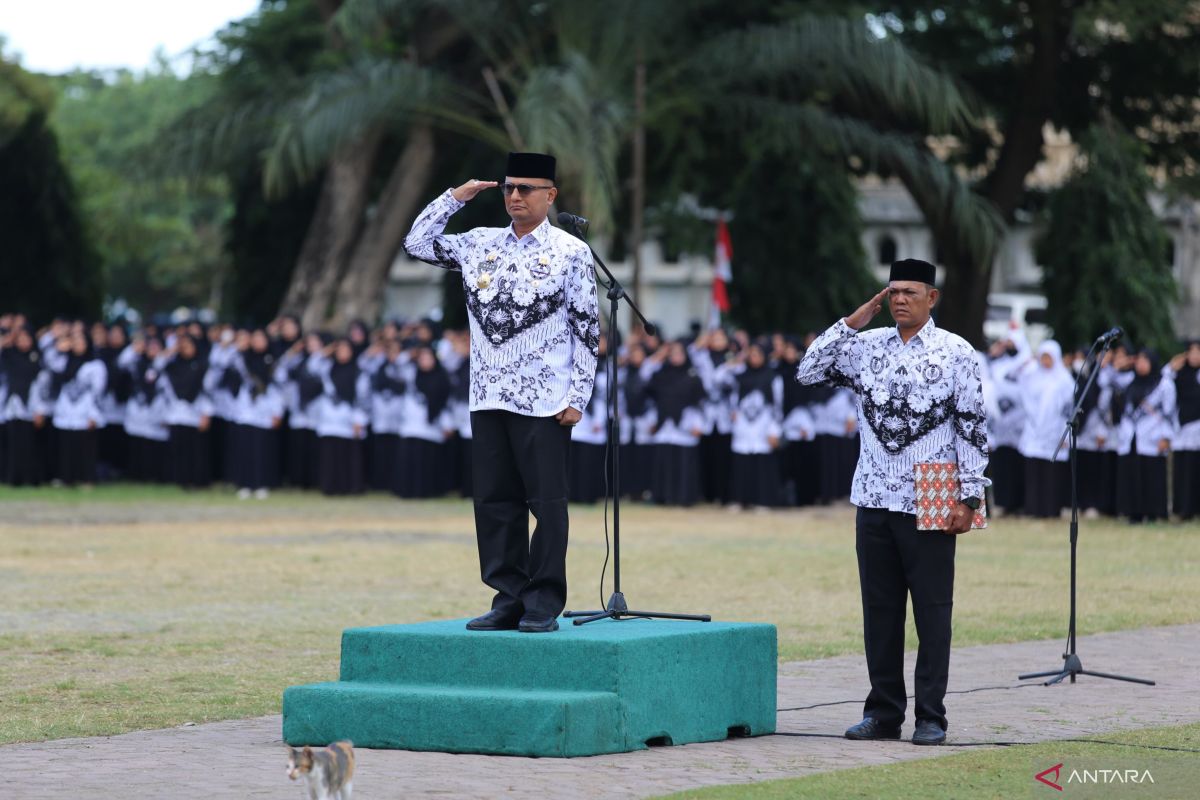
{"x": 128, "y": 608}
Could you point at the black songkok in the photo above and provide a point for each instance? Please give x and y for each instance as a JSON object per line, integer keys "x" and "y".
{"x": 913, "y": 269}
{"x": 530, "y": 165}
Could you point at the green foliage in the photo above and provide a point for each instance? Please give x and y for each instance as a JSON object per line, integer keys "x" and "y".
{"x": 47, "y": 266}
{"x": 798, "y": 260}
{"x": 160, "y": 239}
{"x": 1104, "y": 251}
{"x": 264, "y": 239}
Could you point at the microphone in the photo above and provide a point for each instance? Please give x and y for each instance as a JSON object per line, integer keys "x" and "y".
{"x": 570, "y": 220}
{"x": 1111, "y": 336}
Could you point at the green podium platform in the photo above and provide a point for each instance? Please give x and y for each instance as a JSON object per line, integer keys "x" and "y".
{"x": 607, "y": 687}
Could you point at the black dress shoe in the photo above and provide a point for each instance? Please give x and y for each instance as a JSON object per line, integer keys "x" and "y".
{"x": 928, "y": 732}
{"x": 871, "y": 728}
{"x": 498, "y": 619}
{"x": 532, "y": 624}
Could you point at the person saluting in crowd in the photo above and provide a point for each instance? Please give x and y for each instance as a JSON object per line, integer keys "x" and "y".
{"x": 535, "y": 329}
{"x": 919, "y": 400}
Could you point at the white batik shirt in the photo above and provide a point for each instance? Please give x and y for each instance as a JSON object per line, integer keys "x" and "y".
{"x": 917, "y": 403}
{"x": 535, "y": 328}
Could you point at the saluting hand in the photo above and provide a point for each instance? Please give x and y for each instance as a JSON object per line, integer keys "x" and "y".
{"x": 867, "y": 311}
{"x": 471, "y": 188}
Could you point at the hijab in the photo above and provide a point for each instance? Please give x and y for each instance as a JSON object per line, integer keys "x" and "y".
{"x": 675, "y": 388}
{"x": 1142, "y": 385}
{"x": 20, "y": 369}
{"x": 186, "y": 376}
{"x": 434, "y": 385}
{"x": 70, "y": 370}
{"x": 344, "y": 378}
{"x": 1187, "y": 390}
{"x": 260, "y": 369}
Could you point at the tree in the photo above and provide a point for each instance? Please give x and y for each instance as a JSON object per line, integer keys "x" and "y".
{"x": 1048, "y": 62}
{"x": 799, "y": 277}
{"x": 47, "y": 265}
{"x": 160, "y": 240}
{"x": 1104, "y": 251}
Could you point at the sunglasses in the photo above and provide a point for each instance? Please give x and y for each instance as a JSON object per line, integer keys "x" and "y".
{"x": 523, "y": 189}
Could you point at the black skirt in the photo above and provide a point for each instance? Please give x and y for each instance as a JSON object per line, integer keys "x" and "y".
{"x": 383, "y": 452}
{"x": 716, "y": 459}
{"x": 1187, "y": 483}
{"x": 587, "y": 472}
{"x": 676, "y": 480}
{"x": 461, "y": 449}
{"x": 302, "y": 457}
{"x": 1097, "y": 481}
{"x": 1142, "y": 487}
{"x": 637, "y": 470}
{"x": 259, "y": 458}
{"x": 754, "y": 480}
{"x": 1006, "y": 468}
{"x": 423, "y": 468}
{"x": 799, "y": 466}
{"x": 341, "y": 466}
{"x": 1046, "y": 487}
{"x": 189, "y": 454}
{"x": 147, "y": 460}
{"x": 23, "y": 463}
{"x": 838, "y": 457}
{"x": 77, "y": 456}
{"x": 113, "y": 452}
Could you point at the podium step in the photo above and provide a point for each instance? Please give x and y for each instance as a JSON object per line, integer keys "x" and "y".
{"x": 611, "y": 686}
{"x": 519, "y": 722}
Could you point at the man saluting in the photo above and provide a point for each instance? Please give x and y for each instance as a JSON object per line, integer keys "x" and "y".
{"x": 920, "y": 400}
{"x": 535, "y": 330}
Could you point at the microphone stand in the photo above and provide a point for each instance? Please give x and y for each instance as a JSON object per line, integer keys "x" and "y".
{"x": 617, "y": 607}
{"x": 1072, "y": 666}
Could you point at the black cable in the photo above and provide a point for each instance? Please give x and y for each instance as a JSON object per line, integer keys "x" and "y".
{"x": 975, "y": 744}
{"x": 1001, "y": 744}
{"x": 911, "y": 696}
{"x": 610, "y": 411}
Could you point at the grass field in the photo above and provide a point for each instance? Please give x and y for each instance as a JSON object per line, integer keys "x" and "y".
{"x": 125, "y": 608}
{"x": 999, "y": 773}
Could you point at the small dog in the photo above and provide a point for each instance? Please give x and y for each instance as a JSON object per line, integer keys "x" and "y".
{"x": 327, "y": 773}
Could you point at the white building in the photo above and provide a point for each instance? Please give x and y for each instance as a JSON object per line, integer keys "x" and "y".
{"x": 676, "y": 294}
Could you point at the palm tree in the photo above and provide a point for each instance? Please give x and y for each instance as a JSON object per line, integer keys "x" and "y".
{"x": 581, "y": 79}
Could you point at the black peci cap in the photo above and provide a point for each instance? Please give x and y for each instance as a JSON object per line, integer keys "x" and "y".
{"x": 530, "y": 165}
{"x": 913, "y": 269}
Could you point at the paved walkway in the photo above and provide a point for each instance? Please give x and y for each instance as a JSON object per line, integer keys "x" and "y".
{"x": 245, "y": 758}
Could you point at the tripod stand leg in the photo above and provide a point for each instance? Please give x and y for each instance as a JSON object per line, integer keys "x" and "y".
{"x": 1039, "y": 674}
{"x": 1057, "y": 678}
{"x": 595, "y": 617}
{"x": 581, "y": 613}
{"x": 661, "y": 615}
{"x": 1117, "y": 677}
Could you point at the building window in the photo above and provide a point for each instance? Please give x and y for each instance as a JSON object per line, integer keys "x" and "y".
{"x": 886, "y": 249}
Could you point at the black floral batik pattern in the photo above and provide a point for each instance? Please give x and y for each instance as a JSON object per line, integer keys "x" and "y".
{"x": 532, "y": 308}
{"x": 918, "y": 402}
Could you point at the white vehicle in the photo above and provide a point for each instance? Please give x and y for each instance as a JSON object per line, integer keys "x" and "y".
{"x": 1027, "y": 310}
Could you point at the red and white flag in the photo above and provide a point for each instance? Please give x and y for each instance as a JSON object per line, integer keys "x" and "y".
{"x": 722, "y": 274}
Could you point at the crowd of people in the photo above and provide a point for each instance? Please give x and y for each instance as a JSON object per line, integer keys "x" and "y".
{"x": 715, "y": 417}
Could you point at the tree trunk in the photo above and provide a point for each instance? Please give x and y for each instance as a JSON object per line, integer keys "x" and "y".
{"x": 332, "y": 233}
{"x": 360, "y": 295}
{"x": 637, "y": 223}
{"x": 964, "y": 305}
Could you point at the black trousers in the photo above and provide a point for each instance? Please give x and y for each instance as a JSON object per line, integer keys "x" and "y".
{"x": 894, "y": 561}
{"x": 520, "y": 467}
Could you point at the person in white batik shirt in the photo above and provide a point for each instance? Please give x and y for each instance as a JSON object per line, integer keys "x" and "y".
{"x": 920, "y": 400}
{"x": 535, "y": 329}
